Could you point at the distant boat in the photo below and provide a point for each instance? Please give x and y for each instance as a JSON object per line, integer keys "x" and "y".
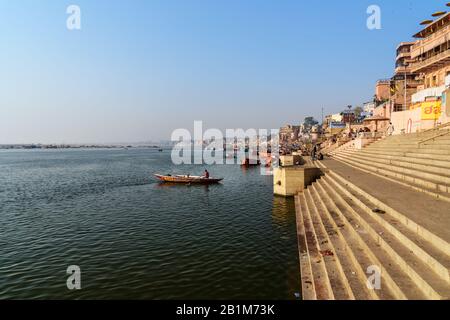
{"x": 187, "y": 179}
{"x": 247, "y": 163}
{"x": 160, "y": 150}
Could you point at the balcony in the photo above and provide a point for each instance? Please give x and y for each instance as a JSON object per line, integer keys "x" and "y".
{"x": 406, "y": 54}
{"x": 434, "y": 62}
{"x": 402, "y": 70}
{"x": 429, "y": 43}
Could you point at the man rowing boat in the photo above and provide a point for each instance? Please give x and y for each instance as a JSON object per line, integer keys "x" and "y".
{"x": 206, "y": 175}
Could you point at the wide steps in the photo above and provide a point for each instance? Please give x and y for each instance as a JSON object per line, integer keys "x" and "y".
{"x": 429, "y": 182}
{"x": 308, "y": 287}
{"x": 410, "y": 158}
{"x": 357, "y": 250}
{"x": 437, "y": 150}
{"x": 339, "y": 287}
{"x": 368, "y": 251}
{"x": 430, "y": 272}
{"x": 344, "y": 238}
{"x": 437, "y": 173}
{"x": 351, "y": 273}
{"x": 419, "y": 155}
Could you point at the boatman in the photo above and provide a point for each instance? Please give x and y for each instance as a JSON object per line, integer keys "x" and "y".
{"x": 206, "y": 175}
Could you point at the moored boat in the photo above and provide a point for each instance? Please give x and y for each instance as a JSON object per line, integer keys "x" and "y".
{"x": 186, "y": 179}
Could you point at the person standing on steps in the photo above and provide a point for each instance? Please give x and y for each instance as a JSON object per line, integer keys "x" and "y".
{"x": 390, "y": 129}
{"x": 314, "y": 152}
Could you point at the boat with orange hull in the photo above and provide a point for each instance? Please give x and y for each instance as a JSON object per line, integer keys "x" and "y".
{"x": 187, "y": 179}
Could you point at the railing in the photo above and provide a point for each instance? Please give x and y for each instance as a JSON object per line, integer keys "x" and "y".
{"x": 402, "y": 69}
{"x": 425, "y": 41}
{"x": 433, "y": 137}
{"x": 418, "y": 65}
{"x": 403, "y": 54}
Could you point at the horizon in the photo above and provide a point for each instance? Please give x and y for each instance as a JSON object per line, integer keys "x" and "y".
{"x": 136, "y": 72}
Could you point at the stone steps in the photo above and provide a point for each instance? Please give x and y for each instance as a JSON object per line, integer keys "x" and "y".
{"x": 414, "y": 262}
{"x": 338, "y": 286}
{"x": 407, "y": 158}
{"x": 308, "y": 287}
{"x": 421, "y": 261}
{"x": 322, "y": 282}
{"x": 423, "y": 149}
{"x": 428, "y": 181}
{"x": 404, "y": 162}
{"x": 413, "y": 182}
{"x": 414, "y": 226}
{"x": 427, "y": 156}
{"x": 356, "y": 260}
{"x": 410, "y": 182}
{"x": 421, "y": 135}
{"x": 347, "y": 266}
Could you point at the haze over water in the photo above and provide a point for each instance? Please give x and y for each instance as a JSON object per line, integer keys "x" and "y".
{"x": 136, "y": 239}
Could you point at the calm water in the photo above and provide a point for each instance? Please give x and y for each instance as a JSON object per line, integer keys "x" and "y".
{"x": 136, "y": 239}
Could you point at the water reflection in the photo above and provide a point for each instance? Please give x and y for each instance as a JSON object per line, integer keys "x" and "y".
{"x": 283, "y": 210}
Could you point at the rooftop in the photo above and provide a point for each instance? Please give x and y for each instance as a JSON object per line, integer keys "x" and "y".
{"x": 434, "y": 26}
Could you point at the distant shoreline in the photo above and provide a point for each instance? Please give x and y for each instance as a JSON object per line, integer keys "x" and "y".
{"x": 63, "y": 147}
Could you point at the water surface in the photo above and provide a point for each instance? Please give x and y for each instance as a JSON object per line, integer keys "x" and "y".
{"x": 134, "y": 238}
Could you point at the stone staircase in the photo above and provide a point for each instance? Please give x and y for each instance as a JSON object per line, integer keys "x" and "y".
{"x": 420, "y": 161}
{"x": 345, "y": 233}
{"x": 333, "y": 147}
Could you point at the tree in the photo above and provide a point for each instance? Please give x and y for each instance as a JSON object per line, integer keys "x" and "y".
{"x": 358, "y": 112}
{"x": 309, "y": 122}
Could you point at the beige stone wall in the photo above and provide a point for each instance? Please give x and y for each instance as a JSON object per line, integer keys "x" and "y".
{"x": 382, "y": 90}
{"x": 437, "y": 77}
{"x": 410, "y": 121}
{"x": 383, "y": 111}
{"x": 289, "y": 181}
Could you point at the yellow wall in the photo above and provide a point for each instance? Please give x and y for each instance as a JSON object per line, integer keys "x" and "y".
{"x": 430, "y": 110}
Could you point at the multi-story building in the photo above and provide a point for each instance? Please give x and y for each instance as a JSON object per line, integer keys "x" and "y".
{"x": 404, "y": 83}
{"x": 429, "y": 61}
{"x": 431, "y": 53}
{"x": 289, "y": 133}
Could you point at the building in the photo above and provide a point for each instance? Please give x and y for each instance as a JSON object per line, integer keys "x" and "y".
{"x": 348, "y": 116}
{"x": 431, "y": 52}
{"x": 289, "y": 133}
{"x": 430, "y": 62}
{"x": 332, "y": 118}
{"x": 404, "y": 83}
{"x": 369, "y": 108}
{"x": 382, "y": 90}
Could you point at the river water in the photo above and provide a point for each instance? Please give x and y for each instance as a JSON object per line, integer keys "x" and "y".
{"x": 134, "y": 238}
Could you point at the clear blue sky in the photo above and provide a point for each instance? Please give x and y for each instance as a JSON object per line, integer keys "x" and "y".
{"x": 139, "y": 69}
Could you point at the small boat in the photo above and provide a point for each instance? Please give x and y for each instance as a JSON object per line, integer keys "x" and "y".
{"x": 187, "y": 179}
{"x": 250, "y": 163}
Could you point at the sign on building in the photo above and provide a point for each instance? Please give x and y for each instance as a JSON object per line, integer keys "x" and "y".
{"x": 431, "y": 110}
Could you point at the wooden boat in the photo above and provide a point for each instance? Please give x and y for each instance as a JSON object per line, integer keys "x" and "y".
{"x": 187, "y": 179}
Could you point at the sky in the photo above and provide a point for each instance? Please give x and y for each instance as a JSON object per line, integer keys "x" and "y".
{"x": 139, "y": 69}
